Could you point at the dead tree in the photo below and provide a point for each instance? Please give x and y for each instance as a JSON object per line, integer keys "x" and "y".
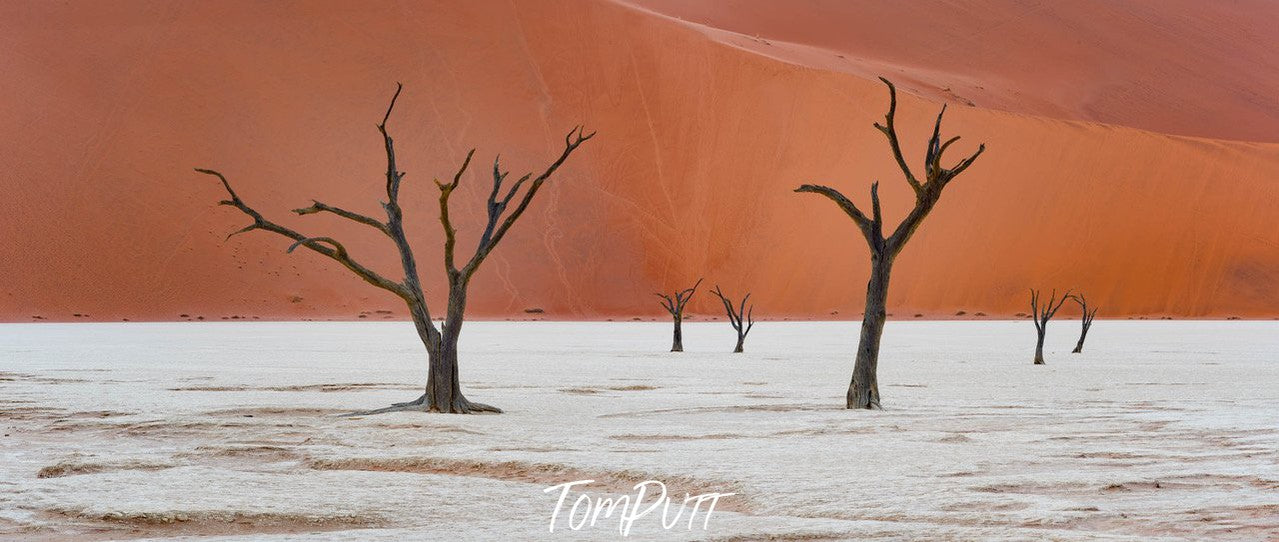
{"x": 735, "y": 317}
{"x": 675, "y": 305}
{"x": 443, "y": 392}
{"x": 1042, "y": 315}
{"x": 1087, "y": 318}
{"x": 863, "y": 391}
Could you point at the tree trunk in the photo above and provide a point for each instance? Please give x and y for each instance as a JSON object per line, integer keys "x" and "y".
{"x": 677, "y": 344}
{"x": 1079, "y": 346}
{"x": 442, "y": 390}
{"x": 863, "y": 391}
{"x": 443, "y": 387}
{"x": 740, "y": 339}
{"x": 1039, "y": 348}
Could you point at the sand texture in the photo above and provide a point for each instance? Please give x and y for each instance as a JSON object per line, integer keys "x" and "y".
{"x": 1133, "y": 152}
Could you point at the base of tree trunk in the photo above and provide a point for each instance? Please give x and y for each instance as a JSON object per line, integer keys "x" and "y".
{"x": 1078, "y": 349}
{"x": 460, "y": 406}
{"x": 1040, "y": 362}
{"x": 863, "y": 399}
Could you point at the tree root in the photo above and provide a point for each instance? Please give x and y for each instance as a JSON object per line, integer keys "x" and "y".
{"x": 459, "y": 406}
{"x": 419, "y": 401}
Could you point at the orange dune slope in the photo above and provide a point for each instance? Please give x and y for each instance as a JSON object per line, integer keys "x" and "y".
{"x": 1185, "y": 67}
{"x": 705, "y": 127}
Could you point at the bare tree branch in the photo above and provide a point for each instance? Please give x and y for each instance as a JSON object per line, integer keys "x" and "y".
{"x": 572, "y": 141}
{"x": 667, "y": 302}
{"x": 735, "y": 316}
{"x": 674, "y": 304}
{"x": 450, "y": 233}
{"x": 863, "y": 391}
{"x": 1042, "y": 313}
{"x": 318, "y": 207}
{"x": 335, "y": 252}
{"x": 443, "y": 390}
{"x": 393, "y": 175}
{"x": 863, "y": 223}
{"x": 889, "y": 130}
{"x": 1086, "y": 319}
{"x": 963, "y": 164}
{"x": 341, "y": 250}
{"x": 395, "y": 225}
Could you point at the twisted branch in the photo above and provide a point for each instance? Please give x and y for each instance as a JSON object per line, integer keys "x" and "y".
{"x": 889, "y": 129}
{"x": 493, "y": 233}
{"x": 318, "y": 207}
{"x": 1042, "y": 314}
{"x": 675, "y": 304}
{"x": 735, "y": 315}
{"x": 335, "y": 251}
{"x": 927, "y": 192}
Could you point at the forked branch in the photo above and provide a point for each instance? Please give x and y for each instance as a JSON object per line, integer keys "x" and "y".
{"x": 443, "y": 391}
{"x": 675, "y": 304}
{"x": 735, "y": 314}
{"x": 317, "y": 207}
{"x": 1086, "y": 320}
{"x": 498, "y": 224}
{"x": 889, "y": 129}
{"x": 1088, "y": 313}
{"x": 740, "y": 317}
{"x": 325, "y": 246}
{"x": 927, "y": 191}
{"x": 1042, "y": 313}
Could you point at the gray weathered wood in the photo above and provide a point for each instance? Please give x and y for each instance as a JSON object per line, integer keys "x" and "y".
{"x": 736, "y": 315}
{"x": 1042, "y": 314}
{"x": 863, "y": 391}
{"x": 1086, "y": 320}
{"x": 674, "y": 304}
{"x": 443, "y": 389}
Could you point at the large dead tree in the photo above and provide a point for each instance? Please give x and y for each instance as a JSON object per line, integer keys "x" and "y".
{"x": 1088, "y": 315}
{"x": 863, "y": 391}
{"x": 1042, "y": 313}
{"x": 443, "y": 391}
{"x": 674, "y": 304}
{"x": 735, "y": 317}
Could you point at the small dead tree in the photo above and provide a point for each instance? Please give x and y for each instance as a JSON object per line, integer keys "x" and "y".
{"x": 1087, "y": 319}
{"x": 863, "y": 391}
{"x": 675, "y": 305}
{"x": 443, "y": 390}
{"x": 1042, "y": 314}
{"x": 735, "y": 317}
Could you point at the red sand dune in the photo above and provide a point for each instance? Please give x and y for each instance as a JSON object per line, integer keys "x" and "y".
{"x": 705, "y": 126}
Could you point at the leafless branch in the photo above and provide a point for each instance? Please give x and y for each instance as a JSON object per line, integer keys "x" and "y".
{"x": 334, "y": 252}
{"x": 318, "y": 207}
{"x": 889, "y": 129}
{"x": 572, "y": 141}
{"x": 736, "y": 315}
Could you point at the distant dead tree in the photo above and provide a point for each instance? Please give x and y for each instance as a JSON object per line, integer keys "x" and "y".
{"x": 1042, "y": 315}
{"x": 443, "y": 391}
{"x": 675, "y": 305}
{"x": 1087, "y": 319}
{"x": 735, "y": 317}
{"x": 863, "y": 391}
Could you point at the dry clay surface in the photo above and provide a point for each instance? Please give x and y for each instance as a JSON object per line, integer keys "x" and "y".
{"x": 1158, "y": 431}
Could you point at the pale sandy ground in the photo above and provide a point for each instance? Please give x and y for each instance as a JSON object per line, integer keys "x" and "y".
{"x": 1160, "y": 430}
